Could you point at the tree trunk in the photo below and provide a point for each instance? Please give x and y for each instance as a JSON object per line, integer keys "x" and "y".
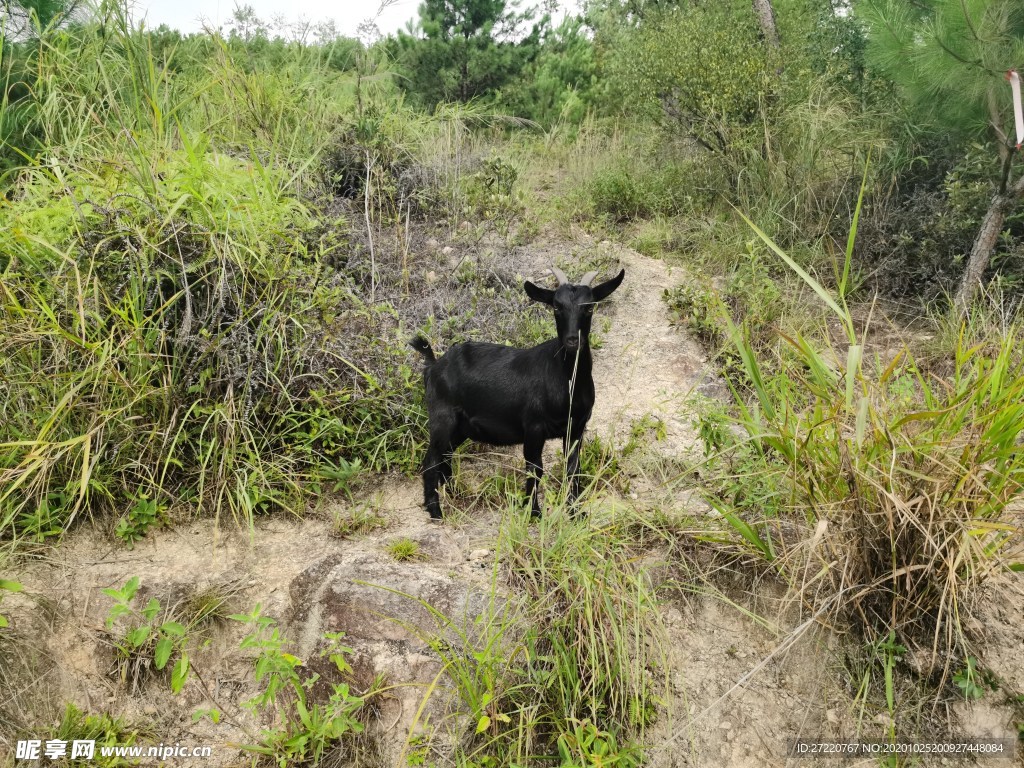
{"x": 766, "y": 19}
{"x": 981, "y": 251}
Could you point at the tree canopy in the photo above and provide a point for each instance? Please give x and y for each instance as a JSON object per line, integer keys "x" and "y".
{"x": 464, "y": 49}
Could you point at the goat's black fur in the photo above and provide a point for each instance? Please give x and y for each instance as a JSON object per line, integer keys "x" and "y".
{"x": 505, "y": 396}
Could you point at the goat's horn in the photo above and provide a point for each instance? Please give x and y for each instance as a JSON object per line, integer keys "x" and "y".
{"x": 588, "y": 278}
{"x": 559, "y": 275}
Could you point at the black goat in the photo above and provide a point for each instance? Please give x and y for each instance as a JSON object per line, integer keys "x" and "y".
{"x": 505, "y": 396}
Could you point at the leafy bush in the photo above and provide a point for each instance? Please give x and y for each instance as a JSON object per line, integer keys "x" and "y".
{"x": 149, "y": 643}
{"x": 648, "y": 188}
{"x": 714, "y": 87}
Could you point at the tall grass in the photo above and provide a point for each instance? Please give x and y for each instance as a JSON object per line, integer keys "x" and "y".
{"x": 884, "y": 491}
{"x": 209, "y": 267}
{"x": 161, "y": 297}
{"x": 565, "y": 662}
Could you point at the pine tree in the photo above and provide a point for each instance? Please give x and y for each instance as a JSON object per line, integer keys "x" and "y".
{"x": 20, "y": 18}
{"x": 950, "y": 59}
{"x": 467, "y": 49}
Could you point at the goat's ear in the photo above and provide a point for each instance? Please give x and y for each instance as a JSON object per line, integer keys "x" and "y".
{"x": 535, "y": 292}
{"x": 604, "y": 290}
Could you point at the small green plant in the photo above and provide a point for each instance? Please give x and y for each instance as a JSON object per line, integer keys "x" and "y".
{"x": 358, "y": 519}
{"x": 698, "y": 309}
{"x": 491, "y": 192}
{"x": 212, "y": 604}
{"x": 416, "y": 750}
{"x": 305, "y": 729}
{"x": 890, "y": 652}
{"x": 973, "y": 681}
{"x": 404, "y": 550}
{"x": 148, "y": 640}
{"x": 7, "y": 585}
{"x": 102, "y": 729}
{"x": 343, "y": 475}
{"x": 138, "y": 521}
{"x": 587, "y": 746}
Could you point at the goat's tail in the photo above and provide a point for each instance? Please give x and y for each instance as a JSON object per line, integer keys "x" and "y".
{"x": 422, "y": 346}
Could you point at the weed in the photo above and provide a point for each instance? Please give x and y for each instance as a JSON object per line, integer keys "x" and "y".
{"x": 102, "y": 730}
{"x": 587, "y": 746}
{"x": 307, "y": 729}
{"x": 148, "y": 642}
{"x": 973, "y": 681}
{"x": 138, "y": 521}
{"x": 356, "y": 520}
{"x": 909, "y": 491}
{"x": 574, "y": 642}
{"x": 587, "y": 602}
{"x": 405, "y": 550}
{"x": 210, "y": 605}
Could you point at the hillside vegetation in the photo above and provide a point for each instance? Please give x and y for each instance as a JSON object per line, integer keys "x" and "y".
{"x": 215, "y": 247}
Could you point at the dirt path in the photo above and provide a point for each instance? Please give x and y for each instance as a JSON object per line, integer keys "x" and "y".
{"x": 645, "y": 365}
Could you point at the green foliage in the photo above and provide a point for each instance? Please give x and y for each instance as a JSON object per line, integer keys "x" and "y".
{"x": 910, "y": 476}
{"x": 6, "y": 585}
{"x": 590, "y": 604}
{"x": 181, "y": 321}
{"x": 714, "y": 87}
{"x": 404, "y": 550}
{"x": 149, "y": 640}
{"x": 103, "y": 729}
{"x": 949, "y": 57}
{"x": 138, "y": 521}
{"x": 587, "y": 746}
{"x": 575, "y": 642}
{"x": 343, "y": 476}
{"x": 358, "y": 519}
{"x": 749, "y": 299}
{"x": 633, "y": 191}
{"x": 559, "y": 84}
{"x": 305, "y": 729}
{"x": 491, "y": 193}
{"x": 973, "y": 681}
{"x": 469, "y": 49}
{"x": 885, "y": 652}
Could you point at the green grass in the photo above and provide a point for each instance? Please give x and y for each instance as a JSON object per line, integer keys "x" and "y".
{"x": 405, "y": 550}
{"x": 102, "y": 729}
{"x": 903, "y": 476}
{"x": 184, "y": 326}
{"x": 357, "y": 520}
{"x": 563, "y": 658}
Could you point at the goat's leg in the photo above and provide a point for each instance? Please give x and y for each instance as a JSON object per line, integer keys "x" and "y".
{"x": 431, "y": 477}
{"x": 571, "y": 445}
{"x": 437, "y": 465}
{"x": 447, "y": 456}
{"x": 533, "y": 452}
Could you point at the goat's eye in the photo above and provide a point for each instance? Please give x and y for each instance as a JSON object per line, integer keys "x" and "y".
{"x": 589, "y": 310}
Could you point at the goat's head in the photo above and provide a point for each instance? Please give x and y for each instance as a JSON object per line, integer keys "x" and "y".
{"x": 573, "y": 304}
